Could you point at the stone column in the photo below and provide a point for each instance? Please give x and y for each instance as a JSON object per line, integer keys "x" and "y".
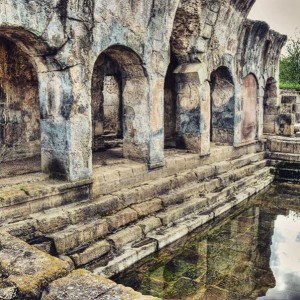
{"x": 65, "y": 125}
{"x": 271, "y": 107}
{"x": 260, "y": 110}
{"x": 249, "y": 115}
{"x": 193, "y": 108}
{"x": 143, "y": 120}
{"x": 136, "y": 118}
{"x": 111, "y": 105}
{"x": 156, "y": 138}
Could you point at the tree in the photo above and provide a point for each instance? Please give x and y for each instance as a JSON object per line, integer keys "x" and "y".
{"x": 290, "y": 64}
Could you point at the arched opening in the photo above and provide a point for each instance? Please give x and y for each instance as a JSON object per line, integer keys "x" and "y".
{"x": 271, "y": 107}
{"x": 222, "y": 106}
{"x": 249, "y": 109}
{"x": 107, "y": 103}
{"x": 170, "y": 107}
{"x": 19, "y": 108}
{"x": 120, "y": 104}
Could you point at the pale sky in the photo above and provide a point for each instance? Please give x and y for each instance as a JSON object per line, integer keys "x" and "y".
{"x": 282, "y": 15}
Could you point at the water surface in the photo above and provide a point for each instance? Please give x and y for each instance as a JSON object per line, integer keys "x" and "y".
{"x": 251, "y": 253}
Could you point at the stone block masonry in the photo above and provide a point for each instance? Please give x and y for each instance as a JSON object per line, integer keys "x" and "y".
{"x": 28, "y": 273}
{"x": 79, "y": 77}
{"x": 131, "y": 79}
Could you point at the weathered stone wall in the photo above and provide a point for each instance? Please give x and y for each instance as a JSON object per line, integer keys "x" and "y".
{"x": 258, "y": 54}
{"x": 222, "y": 105}
{"x": 67, "y": 41}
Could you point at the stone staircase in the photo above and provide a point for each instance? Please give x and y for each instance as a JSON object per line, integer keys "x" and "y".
{"x": 111, "y": 232}
{"x": 287, "y": 171}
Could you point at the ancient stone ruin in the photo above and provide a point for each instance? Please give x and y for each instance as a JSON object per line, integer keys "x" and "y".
{"x": 133, "y": 117}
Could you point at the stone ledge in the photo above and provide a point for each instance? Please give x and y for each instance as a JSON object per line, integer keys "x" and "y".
{"x": 26, "y": 268}
{"x": 28, "y": 273}
{"x": 81, "y": 284}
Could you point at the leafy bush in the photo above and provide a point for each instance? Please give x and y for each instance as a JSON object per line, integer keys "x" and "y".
{"x": 290, "y": 66}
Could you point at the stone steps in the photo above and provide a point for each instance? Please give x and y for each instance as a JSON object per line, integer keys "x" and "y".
{"x": 82, "y": 234}
{"x": 36, "y": 193}
{"x": 288, "y": 171}
{"x": 121, "y": 236}
{"x": 19, "y": 200}
{"x": 182, "y": 219}
{"x": 170, "y": 190}
{"x": 196, "y": 203}
{"x": 91, "y": 232}
{"x": 110, "y": 179}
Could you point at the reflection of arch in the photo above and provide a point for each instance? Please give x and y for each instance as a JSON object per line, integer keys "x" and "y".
{"x": 130, "y": 86}
{"x": 20, "y": 109}
{"x": 222, "y": 106}
{"x": 249, "y": 108}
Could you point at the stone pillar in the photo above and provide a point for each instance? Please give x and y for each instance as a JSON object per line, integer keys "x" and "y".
{"x": 249, "y": 115}
{"x": 143, "y": 121}
{"x": 65, "y": 125}
{"x": 156, "y": 138}
{"x": 193, "y": 108}
{"x": 111, "y": 105}
{"x": 136, "y": 118}
{"x": 260, "y": 111}
{"x": 271, "y": 107}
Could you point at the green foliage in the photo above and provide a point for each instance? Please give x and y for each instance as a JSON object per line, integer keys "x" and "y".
{"x": 289, "y": 86}
{"x": 290, "y": 65}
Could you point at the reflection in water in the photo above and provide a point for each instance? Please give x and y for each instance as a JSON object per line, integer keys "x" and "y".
{"x": 285, "y": 258}
{"x": 254, "y": 253}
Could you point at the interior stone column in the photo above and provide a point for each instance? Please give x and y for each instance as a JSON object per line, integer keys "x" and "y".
{"x": 193, "y": 108}
{"x": 136, "y": 119}
{"x": 111, "y": 105}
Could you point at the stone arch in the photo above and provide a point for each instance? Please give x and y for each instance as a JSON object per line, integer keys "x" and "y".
{"x": 62, "y": 155}
{"x": 249, "y": 108}
{"x": 222, "y": 106}
{"x": 31, "y": 45}
{"x": 122, "y": 69}
{"x": 20, "y": 106}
